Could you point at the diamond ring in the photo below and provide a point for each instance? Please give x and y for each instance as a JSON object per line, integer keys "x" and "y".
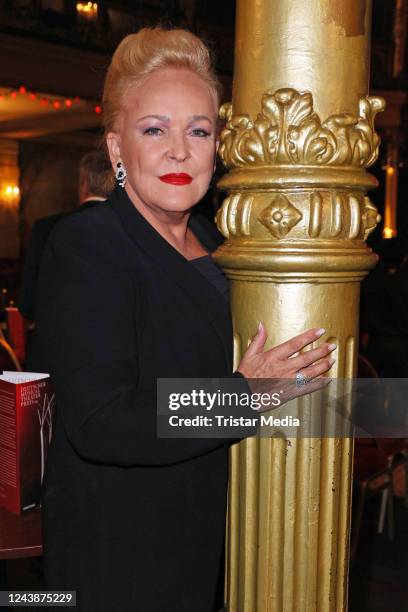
{"x": 301, "y": 379}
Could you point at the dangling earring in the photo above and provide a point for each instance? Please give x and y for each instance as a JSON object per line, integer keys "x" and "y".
{"x": 120, "y": 174}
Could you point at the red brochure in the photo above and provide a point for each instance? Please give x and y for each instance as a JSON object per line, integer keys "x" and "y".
{"x": 26, "y": 410}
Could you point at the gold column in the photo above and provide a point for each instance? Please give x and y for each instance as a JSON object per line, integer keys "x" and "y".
{"x": 299, "y": 135}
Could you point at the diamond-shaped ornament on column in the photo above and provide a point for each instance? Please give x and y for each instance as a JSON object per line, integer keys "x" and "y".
{"x": 280, "y": 216}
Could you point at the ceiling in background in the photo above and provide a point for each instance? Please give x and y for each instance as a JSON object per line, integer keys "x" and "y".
{"x": 25, "y": 114}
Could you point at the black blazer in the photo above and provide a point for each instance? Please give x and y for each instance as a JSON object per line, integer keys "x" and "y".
{"x": 38, "y": 237}
{"x": 132, "y": 522}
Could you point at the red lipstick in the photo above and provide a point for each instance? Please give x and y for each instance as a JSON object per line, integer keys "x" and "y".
{"x": 176, "y": 178}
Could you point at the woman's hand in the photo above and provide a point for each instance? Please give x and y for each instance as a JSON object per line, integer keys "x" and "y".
{"x": 276, "y": 369}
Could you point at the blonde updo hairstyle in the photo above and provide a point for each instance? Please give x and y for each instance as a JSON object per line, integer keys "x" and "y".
{"x": 141, "y": 54}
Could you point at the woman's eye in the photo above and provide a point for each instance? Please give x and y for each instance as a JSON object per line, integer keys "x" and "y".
{"x": 152, "y": 131}
{"x": 200, "y": 132}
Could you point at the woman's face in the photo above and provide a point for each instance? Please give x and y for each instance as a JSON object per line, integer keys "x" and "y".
{"x": 167, "y": 140}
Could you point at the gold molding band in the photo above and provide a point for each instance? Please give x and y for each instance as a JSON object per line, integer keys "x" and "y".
{"x": 330, "y": 214}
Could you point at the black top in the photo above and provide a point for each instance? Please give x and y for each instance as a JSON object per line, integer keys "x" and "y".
{"x": 208, "y": 268}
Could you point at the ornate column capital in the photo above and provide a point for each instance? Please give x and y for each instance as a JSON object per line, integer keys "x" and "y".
{"x": 287, "y": 131}
{"x": 297, "y": 187}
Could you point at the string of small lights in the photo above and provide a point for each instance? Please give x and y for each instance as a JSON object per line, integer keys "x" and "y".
{"x": 43, "y": 100}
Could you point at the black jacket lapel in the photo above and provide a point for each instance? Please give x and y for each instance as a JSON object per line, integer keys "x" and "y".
{"x": 206, "y": 297}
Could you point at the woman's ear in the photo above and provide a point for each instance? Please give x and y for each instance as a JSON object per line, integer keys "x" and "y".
{"x": 113, "y": 144}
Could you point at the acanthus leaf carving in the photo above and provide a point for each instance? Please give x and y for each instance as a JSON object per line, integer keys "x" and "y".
{"x": 288, "y": 131}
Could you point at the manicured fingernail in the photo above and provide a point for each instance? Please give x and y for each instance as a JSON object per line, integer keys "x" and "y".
{"x": 260, "y": 326}
{"x": 320, "y": 332}
{"x": 331, "y": 361}
{"x": 331, "y": 347}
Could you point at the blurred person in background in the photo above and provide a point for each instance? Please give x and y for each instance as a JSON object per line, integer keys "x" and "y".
{"x": 96, "y": 181}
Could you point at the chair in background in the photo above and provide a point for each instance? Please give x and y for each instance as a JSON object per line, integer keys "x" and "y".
{"x": 8, "y": 358}
{"x": 16, "y": 329}
{"x": 375, "y": 462}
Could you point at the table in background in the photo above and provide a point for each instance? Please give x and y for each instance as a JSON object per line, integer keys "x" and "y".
{"x": 20, "y": 536}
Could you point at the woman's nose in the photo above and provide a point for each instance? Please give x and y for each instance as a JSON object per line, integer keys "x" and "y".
{"x": 178, "y": 149}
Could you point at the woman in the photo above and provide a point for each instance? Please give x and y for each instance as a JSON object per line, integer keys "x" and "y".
{"x": 128, "y": 293}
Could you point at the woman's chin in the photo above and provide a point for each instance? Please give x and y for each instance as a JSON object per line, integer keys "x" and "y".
{"x": 168, "y": 200}
{"x": 180, "y": 196}
{"x": 178, "y": 208}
